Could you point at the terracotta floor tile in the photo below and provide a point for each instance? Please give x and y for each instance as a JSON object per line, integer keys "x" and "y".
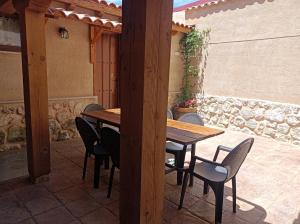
{"x": 101, "y": 215}
{"x": 58, "y": 215}
{"x": 27, "y": 221}
{"x": 82, "y": 207}
{"x": 8, "y": 201}
{"x": 204, "y": 210}
{"x": 42, "y": 204}
{"x": 58, "y": 182}
{"x": 31, "y": 192}
{"x": 72, "y": 194}
{"x": 113, "y": 208}
{"x": 14, "y": 215}
{"x": 184, "y": 217}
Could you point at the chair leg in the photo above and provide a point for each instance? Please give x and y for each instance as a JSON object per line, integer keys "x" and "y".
{"x": 193, "y": 153}
{"x": 98, "y": 162}
{"x": 205, "y": 188}
{"x": 106, "y": 165}
{"x": 111, "y": 178}
{"x": 183, "y": 189}
{"x": 219, "y": 194}
{"x": 85, "y": 164}
{"x": 234, "y": 194}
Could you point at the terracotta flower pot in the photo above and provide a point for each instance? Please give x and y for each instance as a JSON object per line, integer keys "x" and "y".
{"x": 179, "y": 111}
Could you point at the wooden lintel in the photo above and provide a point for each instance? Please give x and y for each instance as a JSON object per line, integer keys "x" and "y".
{"x": 34, "y": 67}
{"x": 10, "y": 48}
{"x": 145, "y": 61}
{"x": 181, "y": 29}
{"x": 174, "y": 32}
{"x": 95, "y": 34}
{"x": 95, "y": 6}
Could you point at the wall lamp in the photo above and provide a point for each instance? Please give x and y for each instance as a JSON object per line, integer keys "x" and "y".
{"x": 63, "y": 33}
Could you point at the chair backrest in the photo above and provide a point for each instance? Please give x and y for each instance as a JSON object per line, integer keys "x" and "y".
{"x": 236, "y": 157}
{"x": 87, "y": 133}
{"x": 192, "y": 118}
{"x": 110, "y": 139}
{"x": 169, "y": 114}
{"x": 92, "y": 107}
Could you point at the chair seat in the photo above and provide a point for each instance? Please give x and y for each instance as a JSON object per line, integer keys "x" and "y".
{"x": 99, "y": 150}
{"x": 172, "y": 146}
{"x": 211, "y": 172}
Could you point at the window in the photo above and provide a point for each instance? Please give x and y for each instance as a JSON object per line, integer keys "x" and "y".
{"x": 9, "y": 35}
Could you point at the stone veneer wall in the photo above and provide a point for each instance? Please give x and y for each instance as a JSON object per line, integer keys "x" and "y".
{"x": 257, "y": 117}
{"x": 61, "y": 120}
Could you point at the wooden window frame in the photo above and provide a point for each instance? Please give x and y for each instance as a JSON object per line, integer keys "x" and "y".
{"x": 10, "y": 48}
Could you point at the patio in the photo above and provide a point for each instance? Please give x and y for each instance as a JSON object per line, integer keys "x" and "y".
{"x": 266, "y": 189}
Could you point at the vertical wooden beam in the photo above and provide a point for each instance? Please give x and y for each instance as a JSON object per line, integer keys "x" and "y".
{"x": 33, "y": 47}
{"x": 145, "y": 60}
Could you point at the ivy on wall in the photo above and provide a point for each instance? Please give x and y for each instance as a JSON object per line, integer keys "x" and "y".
{"x": 192, "y": 45}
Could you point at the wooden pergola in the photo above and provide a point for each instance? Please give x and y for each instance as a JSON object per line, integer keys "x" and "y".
{"x": 145, "y": 60}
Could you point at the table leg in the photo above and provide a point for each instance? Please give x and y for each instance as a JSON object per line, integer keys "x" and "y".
{"x": 180, "y": 165}
{"x": 193, "y": 153}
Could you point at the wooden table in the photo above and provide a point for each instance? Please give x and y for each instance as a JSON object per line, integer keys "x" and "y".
{"x": 177, "y": 131}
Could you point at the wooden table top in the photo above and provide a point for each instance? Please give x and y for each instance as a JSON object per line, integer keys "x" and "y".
{"x": 177, "y": 131}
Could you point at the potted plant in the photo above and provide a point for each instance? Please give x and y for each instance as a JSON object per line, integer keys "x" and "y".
{"x": 191, "y": 45}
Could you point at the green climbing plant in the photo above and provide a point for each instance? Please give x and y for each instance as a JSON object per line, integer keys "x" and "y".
{"x": 192, "y": 46}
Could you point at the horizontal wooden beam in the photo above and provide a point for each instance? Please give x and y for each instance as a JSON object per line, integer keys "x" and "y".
{"x": 91, "y": 5}
{"x": 181, "y": 29}
{"x": 10, "y": 48}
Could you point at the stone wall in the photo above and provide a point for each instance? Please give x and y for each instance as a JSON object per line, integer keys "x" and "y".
{"x": 257, "y": 117}
{"x": 61, "y": 120}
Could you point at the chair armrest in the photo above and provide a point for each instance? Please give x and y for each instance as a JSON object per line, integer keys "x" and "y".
{"x": 206, "y": 161}
{"x": 223, "y": 148}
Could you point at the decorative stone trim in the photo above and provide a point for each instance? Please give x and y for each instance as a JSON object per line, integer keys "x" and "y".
{"x": 256, "y": 117}
{"x": 62, "y": 112}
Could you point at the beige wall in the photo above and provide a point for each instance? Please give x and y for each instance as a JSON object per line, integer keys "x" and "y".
{"x": 70, "y": 72}
{"x": 11, "y": 87}
{"x": 254, "y": 49}
{"x": 176, "y": 70}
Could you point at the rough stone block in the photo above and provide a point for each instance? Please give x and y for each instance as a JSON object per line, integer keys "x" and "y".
{"x": 295, "y": 133}
{"x": 283, "y": 128}
{"x": 16, "y": 134}
{"x": 247, "y": 113}
{"x": 2, "y": 137}
{"x": 251, "y": 124}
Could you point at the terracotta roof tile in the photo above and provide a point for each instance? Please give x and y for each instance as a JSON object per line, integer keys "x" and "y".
{"x": 60, "y": 12}
{"x": 198, "y": 4}
{"x": 206, "y": 4}
{"x": 117, "y": 26}
{"x": 107, "y": 4}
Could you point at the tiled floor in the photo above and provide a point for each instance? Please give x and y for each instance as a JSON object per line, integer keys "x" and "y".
{"x": 268, "y": 190}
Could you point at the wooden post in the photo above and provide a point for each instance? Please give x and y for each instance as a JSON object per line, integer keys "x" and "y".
{"x": 33, "y": 47}
{"x": 145, "y": 60}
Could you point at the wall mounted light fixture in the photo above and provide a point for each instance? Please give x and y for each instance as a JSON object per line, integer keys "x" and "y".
{"x": 63, "y": 33}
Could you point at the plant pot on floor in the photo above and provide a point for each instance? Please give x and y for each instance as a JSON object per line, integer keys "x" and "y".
{"x": 179, "y": 111}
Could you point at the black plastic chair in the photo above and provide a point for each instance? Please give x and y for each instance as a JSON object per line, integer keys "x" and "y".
{"x": 170, "y": 114}
{"x": 93, "y": 107}
{"x": 216, "y": 174}
{"x": 179, "y": 150}
{"x": 111, "y": 142}
{"x": 91, "y": 140}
